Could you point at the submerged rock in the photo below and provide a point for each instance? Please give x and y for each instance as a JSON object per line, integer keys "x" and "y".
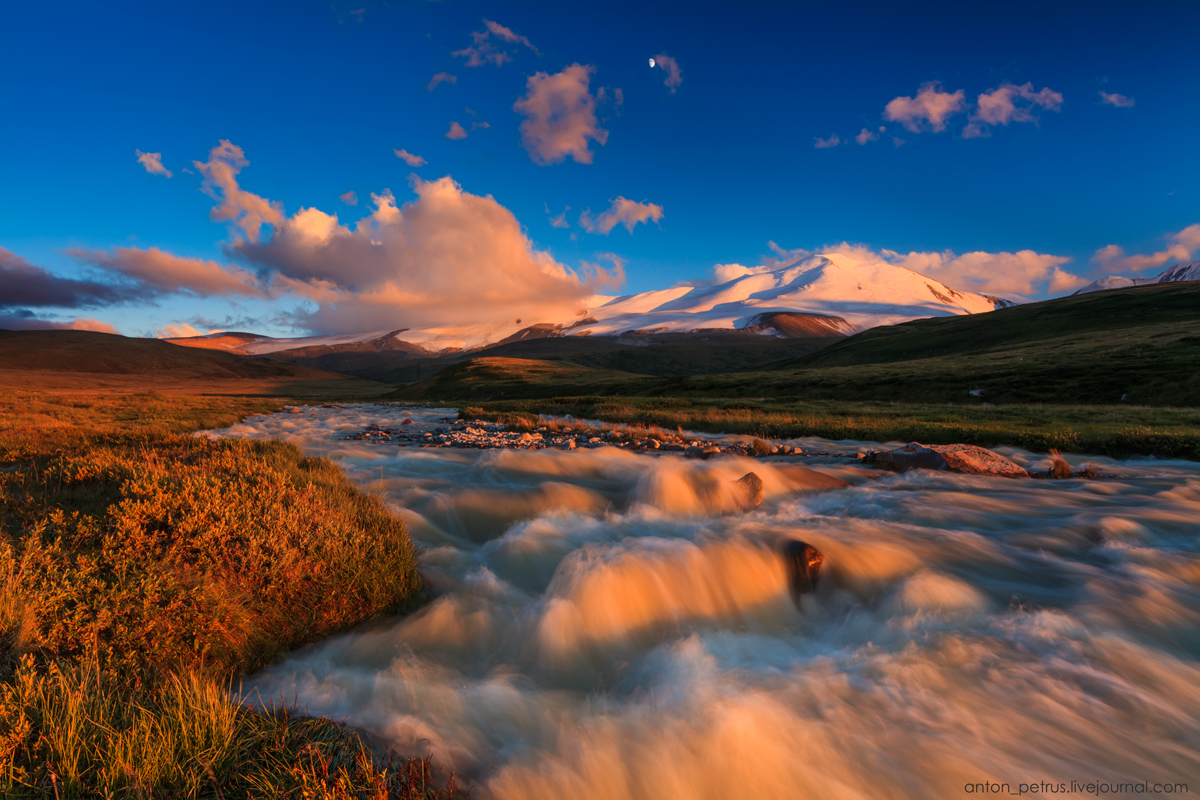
{"x": 963, "y": 458}
{"x": 803, "y": 562}
{"x": 750, "y": 488}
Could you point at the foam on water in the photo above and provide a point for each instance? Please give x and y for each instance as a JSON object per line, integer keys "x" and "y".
{"x": 616, "y": 625}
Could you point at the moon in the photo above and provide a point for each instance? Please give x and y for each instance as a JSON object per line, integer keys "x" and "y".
{"x": 652, "y": 62}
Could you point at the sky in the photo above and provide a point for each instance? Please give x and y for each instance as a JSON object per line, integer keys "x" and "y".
{"x": 308, "y": 167}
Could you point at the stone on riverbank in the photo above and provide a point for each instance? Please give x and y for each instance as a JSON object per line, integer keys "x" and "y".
{"x": 966, "y": 459}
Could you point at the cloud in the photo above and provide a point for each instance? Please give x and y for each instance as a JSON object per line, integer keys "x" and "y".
{"x": 561, "y": 220}
{"x": 477, "y": 125}
{"x": 1118, "y": 100}
{"x": 244, "y": 210}
{"x": 621, "y": 212}
{"x": 560, "y": 116}
{"x": 157, "y": 272}
{"x": 417, "y": 161}
{"x": 999, "y": 107}
{"x": 483, "y": 51}
{"x": 456, "y": 132}
{"x": 1024, "y": 272}
{"x": 153, "y": 163}
{"x": 23, "y": 285}
{"x": 1180, "y": 247}
{"x": 28, "y": 322}
{"x": 179, "y": 330}
{"x": 349, "y": 198}
{"x": 507, "y": 35}
{"x": 446, "y": 258}
{"x": 833, "y": 141}
{"x": 442, "y": 77}
{"x": 868, "y": 136}
{"x": 674, "y": 74}
{"x": 931, "y": 105}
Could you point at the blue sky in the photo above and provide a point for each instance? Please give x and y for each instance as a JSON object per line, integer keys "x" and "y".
{"x": 319, "y": 96}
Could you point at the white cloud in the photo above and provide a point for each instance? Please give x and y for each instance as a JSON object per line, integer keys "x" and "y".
{"x": 415, "y": 160}
{"x": 1180, "y": 247}
{"x": 674, "y": 74}
{"x": 931, "y": 107}
{"x": 153, "y": 163}
{"x": 244, "y": 210}
{"x": 446, "y": 258}
{"x": 1000, "y": 107}
{"x": 622, "y": 212}
{"x": 560, "y": 116}
{"x": 456, "y": 132}
{"x": 1118, "y": 100}
{"x": 833, "y": 141}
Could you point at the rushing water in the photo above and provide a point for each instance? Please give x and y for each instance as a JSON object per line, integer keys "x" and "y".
{"x": 613, "y": 625}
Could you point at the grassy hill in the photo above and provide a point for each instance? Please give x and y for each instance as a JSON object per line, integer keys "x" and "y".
{"x": 65, "y": 361}
{"x": 1137, "y": 346}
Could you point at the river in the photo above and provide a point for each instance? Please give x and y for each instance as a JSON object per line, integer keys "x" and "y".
{"x": 609, "y": 624}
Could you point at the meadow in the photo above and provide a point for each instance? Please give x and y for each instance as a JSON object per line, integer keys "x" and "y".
{"x": 142, "y": 570}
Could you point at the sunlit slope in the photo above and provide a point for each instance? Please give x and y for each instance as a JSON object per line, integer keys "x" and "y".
{"x": 1128, "y": 346}
{"x": 1153, "y": 316}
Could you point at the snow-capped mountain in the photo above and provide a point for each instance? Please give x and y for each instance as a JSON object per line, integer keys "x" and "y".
{"x": 1180, "y": 272}
{"x": 826, "y": 294}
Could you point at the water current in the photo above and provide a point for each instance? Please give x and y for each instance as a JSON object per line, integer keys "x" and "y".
{"x": 610, "y": 624}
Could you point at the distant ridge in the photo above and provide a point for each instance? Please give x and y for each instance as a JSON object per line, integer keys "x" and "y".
{"x": 832, "y": 294}
{"x": 1180, "y": 272}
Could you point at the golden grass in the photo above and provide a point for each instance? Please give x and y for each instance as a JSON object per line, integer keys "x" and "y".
{"x": 142, "y": 569}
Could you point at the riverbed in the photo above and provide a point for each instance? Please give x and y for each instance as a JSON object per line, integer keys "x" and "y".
{"x": 614, "y": 624}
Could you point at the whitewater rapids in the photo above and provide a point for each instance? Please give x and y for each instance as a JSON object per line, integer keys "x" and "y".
{"x": 608, "y": 624}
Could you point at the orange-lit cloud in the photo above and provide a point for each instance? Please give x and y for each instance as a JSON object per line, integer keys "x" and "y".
{"x": 621, "y": 212}
{"x": 163, "y": 272}
{"x": 456, "y": 132}
{"x": 442, "y": 77}
{"x": 415, "y": 160}
{"x": 929, "y": 109}
{"x": 561, "y": 220}
{"x": 483, "y": 51}
{"x": 560, "y": 116}
{"x": 349, "y": 198}
{"x": 246, "y": 211}
{"x": 153, "y": 163}
{"x": 1118, "y": 100}
{"x": 179, "y": 330}
{"x": 674, "y": 74}
{"x": 446, "y": 258}
{"x": 868, "y": 136}
{"x": 1000, "y": 107}
{"x": 833, "y": 141}
{"x": 28, "y": 322}
{"x": 1180, "y": 247}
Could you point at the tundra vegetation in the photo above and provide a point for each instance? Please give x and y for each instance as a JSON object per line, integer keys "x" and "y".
{"x": 142, "y": 570}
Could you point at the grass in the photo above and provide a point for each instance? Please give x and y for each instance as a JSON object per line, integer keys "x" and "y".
{"x": 142, "y": 569}
{"x": 1117, "y": 431}
{"x": 1138, "y": 346}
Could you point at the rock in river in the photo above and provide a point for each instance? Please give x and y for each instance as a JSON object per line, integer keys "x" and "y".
{"x": 965, "y": 458}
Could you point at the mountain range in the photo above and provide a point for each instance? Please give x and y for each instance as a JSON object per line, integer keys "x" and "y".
{"x": 1180, "y": 272}
{"x": 820, "y": 296}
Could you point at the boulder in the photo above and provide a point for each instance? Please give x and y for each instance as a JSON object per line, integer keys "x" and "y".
{"x": 803, "y": 562}
{"x": 750, "y": 489}
{"x": 963, "y": 458}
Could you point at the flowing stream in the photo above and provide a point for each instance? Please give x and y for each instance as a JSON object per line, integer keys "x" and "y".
{"x": 609, "y": 624}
